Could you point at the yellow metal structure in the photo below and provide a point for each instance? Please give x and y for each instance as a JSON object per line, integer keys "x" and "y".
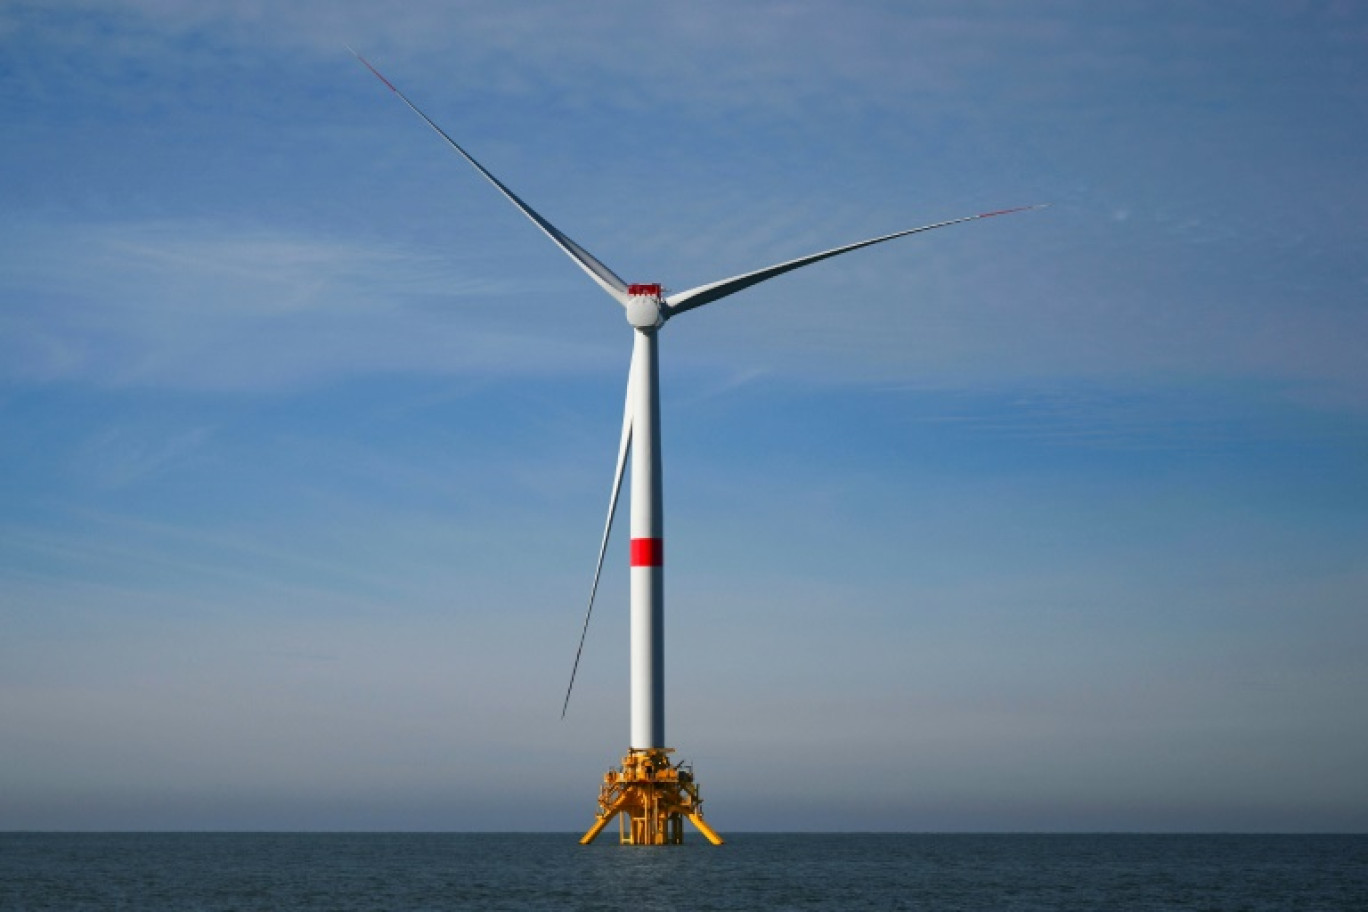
{"x": 650, "y": 797}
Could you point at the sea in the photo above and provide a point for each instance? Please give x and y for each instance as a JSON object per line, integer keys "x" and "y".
{"x": 408, "y": 872}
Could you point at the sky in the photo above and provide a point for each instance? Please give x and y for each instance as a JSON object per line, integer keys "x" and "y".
{"x": 1050, "y": 522}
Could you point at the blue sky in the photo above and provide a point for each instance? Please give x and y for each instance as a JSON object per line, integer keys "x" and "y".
{"x": 1049, "y": 522}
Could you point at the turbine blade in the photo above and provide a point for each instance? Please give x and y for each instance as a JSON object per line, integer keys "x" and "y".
{"x": 706, "y": 294}
{"x": 623, "y": 447}
{"x": 605, "y": 277}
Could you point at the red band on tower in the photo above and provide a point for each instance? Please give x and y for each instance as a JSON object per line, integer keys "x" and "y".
{"x": 648, "y": 552}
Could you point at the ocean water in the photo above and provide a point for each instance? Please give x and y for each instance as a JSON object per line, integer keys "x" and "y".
{"x": 189, "y": 872}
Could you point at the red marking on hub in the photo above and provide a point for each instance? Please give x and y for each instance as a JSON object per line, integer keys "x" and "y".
{"x": 652, "y": 290}
{"x": 648, "y": 552}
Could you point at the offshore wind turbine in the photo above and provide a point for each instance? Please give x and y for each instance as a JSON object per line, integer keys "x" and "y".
{"x": 650, "y": 794}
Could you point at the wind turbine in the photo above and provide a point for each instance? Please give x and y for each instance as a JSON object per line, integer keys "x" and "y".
{"x": 648, "y": 790}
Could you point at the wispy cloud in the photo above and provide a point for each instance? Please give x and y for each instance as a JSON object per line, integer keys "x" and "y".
{"x": 1075, "y": 291}
{"x": 121, "y": 455}
{"x": 200, "y": 305}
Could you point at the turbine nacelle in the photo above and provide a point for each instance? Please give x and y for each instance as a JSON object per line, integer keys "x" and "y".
{"x": 645, "y": 306}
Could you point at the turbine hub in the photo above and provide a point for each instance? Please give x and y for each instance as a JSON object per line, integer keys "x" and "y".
{"x": 644, "y": 306}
